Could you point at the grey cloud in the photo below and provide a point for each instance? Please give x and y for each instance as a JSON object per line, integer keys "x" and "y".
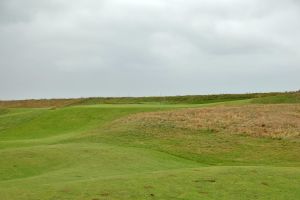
{"x": 64, "y": 48}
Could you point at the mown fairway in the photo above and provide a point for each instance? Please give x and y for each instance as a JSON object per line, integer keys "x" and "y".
{"x": 151, "y": 151}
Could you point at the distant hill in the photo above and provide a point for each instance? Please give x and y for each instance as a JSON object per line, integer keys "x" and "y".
{"x": 287, "y": 97}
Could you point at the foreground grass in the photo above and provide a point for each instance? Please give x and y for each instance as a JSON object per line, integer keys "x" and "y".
{"x": 90, "y": 152}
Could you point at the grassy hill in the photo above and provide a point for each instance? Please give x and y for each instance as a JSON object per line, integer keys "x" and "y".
{"x": 190, "y": 99}
{"x": 190, "y": 147}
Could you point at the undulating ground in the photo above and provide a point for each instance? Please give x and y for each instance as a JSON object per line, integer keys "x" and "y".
{"x": 180, "y": 148}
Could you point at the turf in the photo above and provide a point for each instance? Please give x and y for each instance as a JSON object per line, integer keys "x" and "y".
{"x": 88, "y": 152}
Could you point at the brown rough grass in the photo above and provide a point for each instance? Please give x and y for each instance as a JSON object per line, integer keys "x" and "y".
{"x": 38, "y": 103}
{"x": 276, "y": 121}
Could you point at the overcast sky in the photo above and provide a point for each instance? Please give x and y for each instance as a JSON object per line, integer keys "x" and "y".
{"x": 79, "y": 48}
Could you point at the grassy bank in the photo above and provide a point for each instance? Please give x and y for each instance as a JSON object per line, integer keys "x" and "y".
{"x": 150, "y": 151}
{"x": 190, "y": 99}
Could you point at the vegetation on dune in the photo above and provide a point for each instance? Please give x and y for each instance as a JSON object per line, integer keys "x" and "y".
{"x": 178, "y": 133}
{"x": 190, "y": 99}
{"x": 38, "y": 103}
{"x": 41, "y": 123}
{"x": 279, "y": 99}
{"x": 134, "y": 152}
{"x": 276, "y": 121}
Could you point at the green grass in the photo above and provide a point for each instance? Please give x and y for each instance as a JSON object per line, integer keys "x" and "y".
{"x": 80, "y": 153}
{"x": 278, "y": 99}
{"x": 154, "y": 100}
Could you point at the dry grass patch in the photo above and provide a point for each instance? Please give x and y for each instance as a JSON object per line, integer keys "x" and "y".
{"x": 38, "y": 103}
{"x": 276, "y": 121}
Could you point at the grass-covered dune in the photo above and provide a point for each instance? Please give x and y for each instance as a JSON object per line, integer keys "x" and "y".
{"x": 279, "y": 98}
{"x": 276, "y": 97}
{"x": 243, "y": 148}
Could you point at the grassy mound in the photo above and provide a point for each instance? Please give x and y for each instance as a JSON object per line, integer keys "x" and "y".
{"x": 133, "y": 152}
{"x": 276, "y": 121}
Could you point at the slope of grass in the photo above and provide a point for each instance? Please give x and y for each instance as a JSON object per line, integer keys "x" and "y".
{"x": 206, "y": 147}
{"x": 38, "y": 123}
{"x": 91, "y": 152}
{"x": 38, "y": 103}
{"x": 279, "y": 99}
{"x": 276, "y": 121}
{"x": 3, "y": 111}
{"x": 189, "y": 99}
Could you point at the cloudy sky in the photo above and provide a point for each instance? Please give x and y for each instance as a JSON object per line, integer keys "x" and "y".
{"x": 79, "y": 48}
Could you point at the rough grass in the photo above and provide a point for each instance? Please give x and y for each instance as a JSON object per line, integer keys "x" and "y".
{"x": 275, "y": 121}
{"x": 39, "y": 103}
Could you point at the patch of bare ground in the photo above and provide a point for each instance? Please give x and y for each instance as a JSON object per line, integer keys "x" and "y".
{"x": 275, "y": 121}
